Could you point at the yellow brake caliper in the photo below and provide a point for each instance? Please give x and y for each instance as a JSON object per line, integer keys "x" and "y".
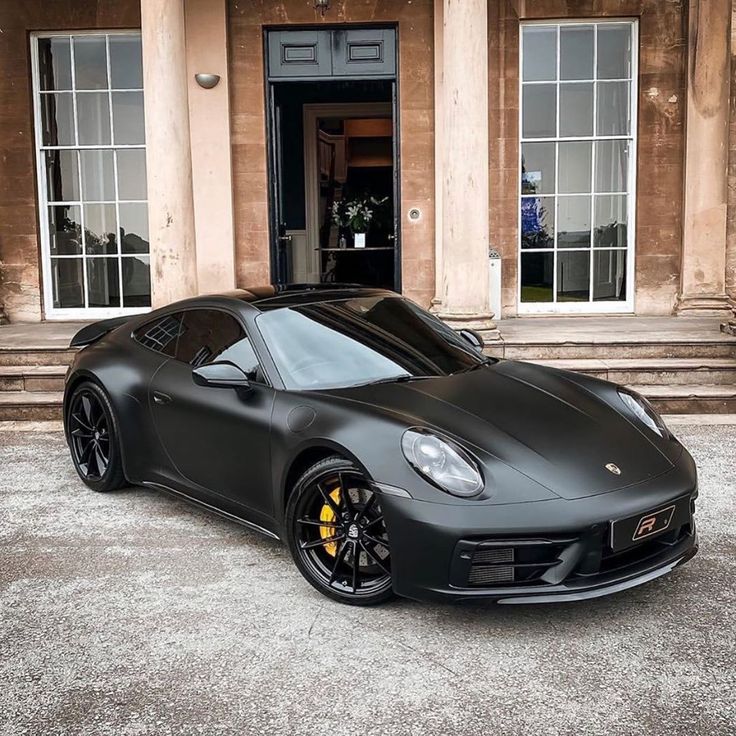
{"x": 328, "y": 515}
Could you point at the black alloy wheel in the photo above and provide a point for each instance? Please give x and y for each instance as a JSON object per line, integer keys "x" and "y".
{"x": 92, "y": 436}
{"x": 337, "y": 534}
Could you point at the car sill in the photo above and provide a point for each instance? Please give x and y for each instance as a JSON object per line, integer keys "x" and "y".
{"x": 209, "y": 507}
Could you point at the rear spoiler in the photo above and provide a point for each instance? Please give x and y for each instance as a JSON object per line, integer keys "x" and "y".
{"x": 92, "y": 333}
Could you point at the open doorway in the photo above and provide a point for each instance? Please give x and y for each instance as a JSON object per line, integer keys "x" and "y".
{"x": 334, "y": 183}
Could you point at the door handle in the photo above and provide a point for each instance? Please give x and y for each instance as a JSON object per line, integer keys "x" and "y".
{"x": 285, "y": 238}
{"x": 161, "y": 398}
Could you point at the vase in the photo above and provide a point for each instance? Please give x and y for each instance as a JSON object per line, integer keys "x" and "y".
{"x": 359, "y": 240}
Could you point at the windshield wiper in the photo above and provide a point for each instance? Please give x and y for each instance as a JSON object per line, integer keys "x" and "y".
{"x": 487, "y": 360}
{"x": 404, "y": 378}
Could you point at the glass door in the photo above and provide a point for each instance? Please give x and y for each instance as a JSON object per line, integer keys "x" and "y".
{"x": 577, "y": 166}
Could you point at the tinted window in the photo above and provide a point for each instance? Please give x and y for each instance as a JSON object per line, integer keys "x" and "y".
{"x": 160, "y": 335}
{"x": 208, "y": 335}
{"x": 357, "y": 341}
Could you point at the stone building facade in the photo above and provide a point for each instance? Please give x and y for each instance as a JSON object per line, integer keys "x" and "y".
{"x": 156, "y": 149}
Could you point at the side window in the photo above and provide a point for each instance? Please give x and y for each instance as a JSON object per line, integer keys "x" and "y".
{"x": 161, "y": 334}
{"x": 209, "y": 335}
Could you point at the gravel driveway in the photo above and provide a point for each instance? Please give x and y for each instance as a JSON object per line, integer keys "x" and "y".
{"x": 134, "y": 613}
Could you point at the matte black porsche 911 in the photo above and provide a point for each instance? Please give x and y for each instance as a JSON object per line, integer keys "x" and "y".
{"x": 383, "y": 447}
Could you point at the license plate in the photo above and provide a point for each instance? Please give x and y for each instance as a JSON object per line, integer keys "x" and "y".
{"x": 642, "y": 527}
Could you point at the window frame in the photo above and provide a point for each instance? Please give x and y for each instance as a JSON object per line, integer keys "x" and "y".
{"x": 70, "y": 313}
{"x": 582, "y": 307}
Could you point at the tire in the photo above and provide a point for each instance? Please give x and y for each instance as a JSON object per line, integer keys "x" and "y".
{"x": 93, "y": 436}
{"x": 339, "y": 528}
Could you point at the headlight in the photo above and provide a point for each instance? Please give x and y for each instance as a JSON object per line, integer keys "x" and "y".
{"x": 442, "y": 462}
{"x": 644, "y": 412}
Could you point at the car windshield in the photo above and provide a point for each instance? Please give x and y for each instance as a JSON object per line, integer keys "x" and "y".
{"x": 354, "y": 342}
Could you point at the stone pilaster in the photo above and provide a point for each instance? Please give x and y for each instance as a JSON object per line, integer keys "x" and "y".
{"x": 461, "y": 112}
{"x": 706, "y": 160}
{"x": 168, "y": 152}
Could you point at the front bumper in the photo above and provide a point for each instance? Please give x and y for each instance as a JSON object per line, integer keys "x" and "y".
{"x": 537, "y": 552}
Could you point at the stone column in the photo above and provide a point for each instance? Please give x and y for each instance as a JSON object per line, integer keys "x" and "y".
{"x": 461, "y": 110}
{"x": 706, "y": 160}
{"x": 209, "y": 126}
{"x": 168, "y": 152}
{"x": 730, "y": 326}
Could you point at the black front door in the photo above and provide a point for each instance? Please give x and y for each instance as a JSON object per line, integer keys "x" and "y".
{"x": 217, "y": 439}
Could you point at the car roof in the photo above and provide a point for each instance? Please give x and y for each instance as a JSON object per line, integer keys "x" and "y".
{"x": 289, "y": 295}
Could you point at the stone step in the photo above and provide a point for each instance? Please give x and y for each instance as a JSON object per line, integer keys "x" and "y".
{"x": 30, "y": 405}
{"x": 690, "y": 399}
{"x": 613, "y": 349}
{"x": 32, "y": 378}
{"x": 12, "y": 356}
{"x": 653, "y": 371}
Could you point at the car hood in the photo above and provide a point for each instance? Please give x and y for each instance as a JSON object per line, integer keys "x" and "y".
{"x": 535, "y": 419}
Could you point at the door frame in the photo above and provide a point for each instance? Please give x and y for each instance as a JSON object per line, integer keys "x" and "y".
{"x": 312, "y": 112}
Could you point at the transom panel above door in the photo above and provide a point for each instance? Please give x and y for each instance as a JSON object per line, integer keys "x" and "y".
{"x": 338, "y": 53}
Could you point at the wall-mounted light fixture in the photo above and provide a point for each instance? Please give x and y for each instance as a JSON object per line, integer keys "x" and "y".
{"x": 208, "y": 81}
{"x": 322, "y": 5}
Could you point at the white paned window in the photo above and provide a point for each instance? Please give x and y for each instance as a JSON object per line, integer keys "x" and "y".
{"x": 91, "y": 159}
{"x": 577, "y": 163}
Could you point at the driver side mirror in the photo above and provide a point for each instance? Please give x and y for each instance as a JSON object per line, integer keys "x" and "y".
{"x": 473, "y": 337}
{"x": 220, "y": 375}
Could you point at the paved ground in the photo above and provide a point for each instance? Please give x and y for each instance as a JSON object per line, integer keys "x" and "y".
{"x": 132, "y": 613}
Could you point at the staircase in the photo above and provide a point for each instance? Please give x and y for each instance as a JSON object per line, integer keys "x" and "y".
{"x": 682, "y": 365}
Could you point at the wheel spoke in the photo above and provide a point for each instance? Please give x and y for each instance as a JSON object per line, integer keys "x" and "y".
{"x": 78, "y": 419}
{"x": 375, "y": 541}
{"x": 87, "y": 409}
{"x": 329, "y": 500}
{"x": 81, "y": 433}
{"x": 322, "y": 542}
{"x": 356, "y": 562}
{"x": 339, "y": 557}
{"x": 345, "y": 494}
{"x": 372, "y": 522}
{"x": 375, "y": 559}
{"x": 367, "y": 507}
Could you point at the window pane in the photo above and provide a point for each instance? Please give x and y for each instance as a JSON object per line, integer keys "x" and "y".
{"x": 125, "y": 62}
{"x": 67, "y": 282}
{"x": 100, "y": 229}
{"x": 132, "y": 174}
{"x": 98, "y": 176}
{"x": 136, "y": 282}
{"x": 93, "y": 118}
{"x": 538, "y": 168}
{"x": 614, "y": 51}
{"x": 576, "y": 109}
{"x": 90, "y": 62}
{"x": 134, "y": 227}
{"x": 206, "y": 334}
{"x": 242, "y": 354}
{"x": 536, "y": 277}
{"x": 57, "y": 119}
{"x": 62, "y": 176}
{"x": 574, "y": 167}
{"x": 537, "y": 222}
{"x": 613, "y": 116}
{"x": 573, "y": 222}
{"x": 611, "y": 166}
{"x": 127, "y": 114}
{"x": 65, "y": 230}
{"x": 539, "y": 105}
{"x": 610, "y": 222}
{"x": 609, "y": 275}
{"x": 54, "y": 63}
{"x": 161, "y": 334}
{"x": 103, "y": 283}
{"x": 576, "y": 52}
{"x": 539, "y": 53}
{"x": 573, "y": 277}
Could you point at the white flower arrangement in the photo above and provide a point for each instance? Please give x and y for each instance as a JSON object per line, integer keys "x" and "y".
{"x": 356, "y": 214}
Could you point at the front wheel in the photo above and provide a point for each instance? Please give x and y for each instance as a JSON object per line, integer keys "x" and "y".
{"x": 337, "y": 535}
{"x": 92, "y": 434}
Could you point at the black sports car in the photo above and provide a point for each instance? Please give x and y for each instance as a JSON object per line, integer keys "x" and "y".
{"x": 384, "y": 448}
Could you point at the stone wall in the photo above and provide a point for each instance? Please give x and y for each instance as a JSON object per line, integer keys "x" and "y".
{"x": 731, "y": 221}
{"x": 416, "y": 112}
{"x": 19, "y": 239}
{"x": 662, "y": 108}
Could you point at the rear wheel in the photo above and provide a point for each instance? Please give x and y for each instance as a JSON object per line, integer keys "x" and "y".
{"x": 92, "y": 433}
{"x": 337, "y": 535}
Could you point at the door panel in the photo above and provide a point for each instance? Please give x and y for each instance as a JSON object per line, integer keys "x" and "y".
{"x": 295, "y": 54}
{"x": 364, "y": 52}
